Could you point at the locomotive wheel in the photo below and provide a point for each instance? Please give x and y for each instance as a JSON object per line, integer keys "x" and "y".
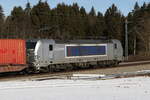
{"x": 69, "y": 67}
{"x": 50, "y": 69}
{"x": 116, "y": 63}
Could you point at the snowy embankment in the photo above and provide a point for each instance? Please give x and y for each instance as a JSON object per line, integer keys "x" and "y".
{"x": 137, "y": 88}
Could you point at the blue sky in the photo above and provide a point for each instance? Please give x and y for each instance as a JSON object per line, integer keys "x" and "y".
{"x": 124, "y": 6}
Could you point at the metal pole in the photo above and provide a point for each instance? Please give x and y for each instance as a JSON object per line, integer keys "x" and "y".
{"x": 135, "y": 46}
{"x": 126, "y": 39}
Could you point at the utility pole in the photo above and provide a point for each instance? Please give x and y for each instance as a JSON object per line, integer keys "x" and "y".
{"x": 126, "y": 39}
{"x": 135, "y": 45}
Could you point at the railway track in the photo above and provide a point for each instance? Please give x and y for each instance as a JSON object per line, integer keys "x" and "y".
{"x": 123, "y": 67}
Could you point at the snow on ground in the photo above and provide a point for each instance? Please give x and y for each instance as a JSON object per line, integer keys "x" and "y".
{"x": 137, "y": 88}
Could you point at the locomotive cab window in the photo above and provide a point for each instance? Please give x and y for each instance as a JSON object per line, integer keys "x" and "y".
{"x": 31, "y": 45}
{"x": 115, "y": 46}
{"x": 50, "y": 47}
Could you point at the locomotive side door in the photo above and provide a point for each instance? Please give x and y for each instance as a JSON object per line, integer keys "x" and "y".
{"x": 115, "y": 51}
{"x": 50, "y": 51}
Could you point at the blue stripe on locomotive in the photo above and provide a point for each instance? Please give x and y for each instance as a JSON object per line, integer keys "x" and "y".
{"x": 85, "y": 50}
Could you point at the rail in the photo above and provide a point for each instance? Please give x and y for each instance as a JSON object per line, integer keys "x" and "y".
{"x": 68, "y": 74}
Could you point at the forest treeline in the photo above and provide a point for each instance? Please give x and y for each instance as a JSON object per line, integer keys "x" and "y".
{"x": 67, "y": 22}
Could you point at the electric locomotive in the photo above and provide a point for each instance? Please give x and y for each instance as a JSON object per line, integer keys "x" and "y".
{"x": 50, "y": 54}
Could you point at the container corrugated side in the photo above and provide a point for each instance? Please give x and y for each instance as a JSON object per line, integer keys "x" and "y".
{"x": 12, "y": 51}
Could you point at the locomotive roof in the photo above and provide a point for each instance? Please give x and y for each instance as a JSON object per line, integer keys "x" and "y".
{"x": 89, "y": 41}
{"x": 83, "y": 41}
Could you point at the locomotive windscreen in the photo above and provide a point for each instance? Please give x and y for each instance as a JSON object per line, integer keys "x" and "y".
{"x": 31, "y": 45}
{"x": 85, "y": 50}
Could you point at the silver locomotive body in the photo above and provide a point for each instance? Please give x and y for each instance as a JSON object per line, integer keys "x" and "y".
{"x": 48, "y": 54}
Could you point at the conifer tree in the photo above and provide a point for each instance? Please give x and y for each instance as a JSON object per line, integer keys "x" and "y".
{"x": 40, "y": 19}
{"x": 15, "y": 23}
{"x": 92, "y": 24}
{"x": 114, "y": 23}
{"x": 100, "y": 25}
{"x": 28, "y": 27}
{"x": 92, "y": 12}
